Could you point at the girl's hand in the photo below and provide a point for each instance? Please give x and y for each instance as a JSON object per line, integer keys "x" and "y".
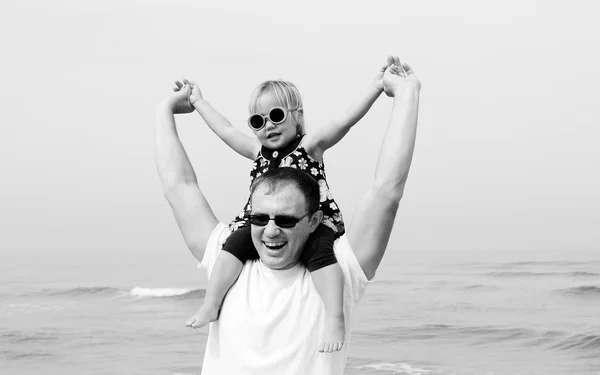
{"x": 400, "y": 78}
{"x": 196, "y": 94}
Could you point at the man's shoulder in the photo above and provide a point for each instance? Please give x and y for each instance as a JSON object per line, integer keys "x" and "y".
{"x": 213, "y": 247}
{"x": 354, "y": 277}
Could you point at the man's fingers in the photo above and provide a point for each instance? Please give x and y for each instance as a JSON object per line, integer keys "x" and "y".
{"x": 401, "y": 69}
{"x": 390, "y": 60}
{"x": 394, "y": 70}
{"x": 178, "y": 86}
{"x": 407, "y": 69}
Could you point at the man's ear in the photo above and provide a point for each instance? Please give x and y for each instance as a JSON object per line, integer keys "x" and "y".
{"x": 315, "y": 220}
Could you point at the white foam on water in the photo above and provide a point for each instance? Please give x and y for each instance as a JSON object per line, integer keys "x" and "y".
{"x": 398, "y": 368}
{"x": 32, "y": 308}
{"x": 157, "y": 292}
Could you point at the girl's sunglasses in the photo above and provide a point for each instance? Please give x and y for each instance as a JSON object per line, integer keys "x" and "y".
{"x": 282, "y": 221}
{"x": 276, "y": 115}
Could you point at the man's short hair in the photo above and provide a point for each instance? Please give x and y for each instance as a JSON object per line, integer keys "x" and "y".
{"x": 278, "y": 178}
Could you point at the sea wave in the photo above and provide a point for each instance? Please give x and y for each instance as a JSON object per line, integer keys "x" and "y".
{"x": 587, "y": 290}
{"x": 560, "y": 263}
{"x": 480, "y": 287}
{"x": 9, "y": 354}
{"x": 436, "y": 331}
{"x": 540, "y": 274}
{"x": 397, "y": 368}
{"x": 82, "y": 291}
{"x": 180, "y": 293}
{"x": 485, "y": 335}
{"x": 579, "y": 341}
{"x": 19, "y": 337}
{"x": 135, "y": 292}
{"x": 512, "y": 265}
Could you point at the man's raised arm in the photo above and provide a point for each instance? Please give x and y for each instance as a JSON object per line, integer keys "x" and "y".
{"x": 180, "y": 186}
{"x": 370, "y": 229}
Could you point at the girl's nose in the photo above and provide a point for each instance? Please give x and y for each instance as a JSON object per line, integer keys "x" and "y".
{"x": 269, "y": 124}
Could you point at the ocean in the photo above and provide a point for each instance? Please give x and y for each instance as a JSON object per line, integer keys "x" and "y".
{"x": 461, "y": 313}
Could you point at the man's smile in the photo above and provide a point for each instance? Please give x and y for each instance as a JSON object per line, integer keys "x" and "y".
{"x": 274, "y": 245}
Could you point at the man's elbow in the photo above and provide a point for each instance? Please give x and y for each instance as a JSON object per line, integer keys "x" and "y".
{"x": 390, "y": 191}
{"x": 173, "y": 190}
{"x": 170, "y": 190}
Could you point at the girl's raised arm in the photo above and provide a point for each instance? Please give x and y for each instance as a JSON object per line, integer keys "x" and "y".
{"x": 241, "y": 143}
{"x": 328, "y": 135}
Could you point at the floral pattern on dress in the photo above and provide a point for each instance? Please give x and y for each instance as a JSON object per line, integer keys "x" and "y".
{"x": 287, "y": 162}
{"x": 302, "y": 163}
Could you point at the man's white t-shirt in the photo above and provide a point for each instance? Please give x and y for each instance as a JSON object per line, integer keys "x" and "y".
{"x": 271, "y": 321}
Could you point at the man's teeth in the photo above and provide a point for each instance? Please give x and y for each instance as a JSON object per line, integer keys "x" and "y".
{"x": 274, "y": 244}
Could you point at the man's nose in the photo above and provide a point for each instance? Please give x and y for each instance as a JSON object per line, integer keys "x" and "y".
{"x": 271, "y": 229}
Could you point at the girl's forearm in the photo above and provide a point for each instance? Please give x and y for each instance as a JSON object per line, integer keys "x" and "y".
{"x": 235, "y": 139}
{"x": 215, "y": 121}
{"x": 360, "y": 107}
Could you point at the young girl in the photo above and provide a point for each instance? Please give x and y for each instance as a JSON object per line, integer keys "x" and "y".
{"x": 277, "y": 120}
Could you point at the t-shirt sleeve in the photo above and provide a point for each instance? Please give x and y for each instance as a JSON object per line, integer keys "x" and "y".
{"x": 355, "y": 279}
{"x": 213, "y": 247}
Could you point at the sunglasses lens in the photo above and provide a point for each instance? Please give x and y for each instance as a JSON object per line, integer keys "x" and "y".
{"x": 260, "y": 220}
{"x": 256, "y": 121}
{"x": 280, "y": 221}
{"x": 286, "y": 221}
{"x": 277, "y": 115}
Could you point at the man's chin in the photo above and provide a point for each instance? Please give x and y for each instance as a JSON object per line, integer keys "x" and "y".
{"x": 271, "y": 257}
{"x": 276, "y": 261}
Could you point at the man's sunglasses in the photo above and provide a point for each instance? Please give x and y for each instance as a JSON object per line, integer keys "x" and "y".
{"x": 276, "y": 115}
{"x": 282, "y": 221}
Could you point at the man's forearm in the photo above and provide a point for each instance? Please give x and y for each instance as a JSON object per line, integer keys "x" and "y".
{"x": 172, "y": 161}
{"x": 399, "y": 142}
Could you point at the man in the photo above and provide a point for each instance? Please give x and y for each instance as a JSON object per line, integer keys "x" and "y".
{"x": 270, "y": 317}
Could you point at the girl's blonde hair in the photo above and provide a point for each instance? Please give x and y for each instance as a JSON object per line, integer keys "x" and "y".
{"x": 287, "y": 95}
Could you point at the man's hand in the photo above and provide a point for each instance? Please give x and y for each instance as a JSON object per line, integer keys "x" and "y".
{"x": 179, "y": 101}
{"x": 400, "y": 78}
{"x": 378, "y": 79}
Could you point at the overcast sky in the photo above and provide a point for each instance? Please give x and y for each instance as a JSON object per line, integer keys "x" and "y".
{"x": 507, "y": 153}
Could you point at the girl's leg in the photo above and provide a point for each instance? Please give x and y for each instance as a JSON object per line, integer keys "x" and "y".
{"x": 327, "y": 276}
{"x": 236, "y": 250}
